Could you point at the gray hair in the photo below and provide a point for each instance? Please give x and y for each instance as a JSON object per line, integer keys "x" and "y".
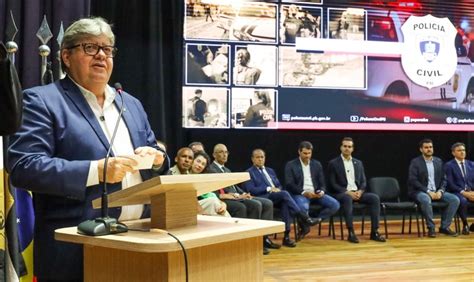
{"x": 84, "y": 28}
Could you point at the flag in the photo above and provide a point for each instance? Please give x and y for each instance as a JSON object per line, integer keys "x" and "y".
{"x": 26, "y": 222}
{"x": 12, "y": 264}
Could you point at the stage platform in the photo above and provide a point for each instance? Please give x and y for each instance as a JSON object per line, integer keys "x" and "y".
{"x": 402, "y": 258}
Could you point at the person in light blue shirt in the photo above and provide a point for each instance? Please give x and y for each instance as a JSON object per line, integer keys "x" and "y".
{"x": 427, "y": 183}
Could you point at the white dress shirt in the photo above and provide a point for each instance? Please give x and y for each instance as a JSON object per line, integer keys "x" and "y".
{"x": 308, "y": 185}
{"x": 350, "y": 173}
{"x": 107, "y": 117}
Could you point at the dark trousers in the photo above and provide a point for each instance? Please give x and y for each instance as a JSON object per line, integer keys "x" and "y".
{"x": 462, "y": 210}
{"x": 256, "y": 208}
{"x": 288, "y": 207}
{"x": 370, "y": 199}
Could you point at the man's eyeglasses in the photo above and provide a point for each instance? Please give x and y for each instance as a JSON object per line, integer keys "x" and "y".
{"x": 93, "y": 49}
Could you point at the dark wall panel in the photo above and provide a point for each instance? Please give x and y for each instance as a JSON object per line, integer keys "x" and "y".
{"x": 383, "y": 153}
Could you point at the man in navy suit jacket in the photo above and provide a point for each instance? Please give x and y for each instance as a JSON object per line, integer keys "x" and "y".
{"x": 240, "y": 203}
{"x": 58, "y": 153}
{"x": 304, "y": 179}
{"x": 427, "y": 183}
{"x": 348, "y": 184}
{"x": 264, "y": 183}
{"x": 460, "y": 181}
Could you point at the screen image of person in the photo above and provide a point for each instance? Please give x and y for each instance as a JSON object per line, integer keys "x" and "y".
{"x": 214, "y": 116}
{"x": 197, "y": 108}
{"x": 261, "y": 111}
{"x": 58, "y": 153}
{"x": 244, "y": 74}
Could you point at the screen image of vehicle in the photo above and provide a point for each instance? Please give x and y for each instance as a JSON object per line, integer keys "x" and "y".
{"x": 243, "y": 55}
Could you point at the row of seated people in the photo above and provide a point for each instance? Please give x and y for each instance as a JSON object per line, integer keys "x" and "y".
{"x": 305, "y": 184}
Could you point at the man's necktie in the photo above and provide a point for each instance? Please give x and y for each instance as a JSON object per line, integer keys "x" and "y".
{"x": 232, "y": 187}
{"x": 266, "y": 177}
{"x": 463, "y": 169}
{"x": 221, "y": 191}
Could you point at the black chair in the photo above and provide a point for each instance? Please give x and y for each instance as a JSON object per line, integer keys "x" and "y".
{"x": 355, "y": 207}
{"x": 277, "y": 216}
{"x": 314, "y": 211}
{"x": 437, "y": 206}
{"x": 388, "y": 190}
{"x": 457, "y": 218}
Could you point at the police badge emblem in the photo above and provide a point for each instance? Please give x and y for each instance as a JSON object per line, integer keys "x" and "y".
{"x": 429, "y": 49}
{"x": 436, "y": 61}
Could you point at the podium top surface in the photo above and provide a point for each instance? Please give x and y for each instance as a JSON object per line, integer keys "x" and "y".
{"x": 201, "y": 183}
{"x": 209, "y": 230}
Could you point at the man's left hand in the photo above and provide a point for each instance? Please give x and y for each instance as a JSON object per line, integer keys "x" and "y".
{"x": 359, "y": 194}
{"x": 159, "y": 156}
{"x": 274, "y": 190}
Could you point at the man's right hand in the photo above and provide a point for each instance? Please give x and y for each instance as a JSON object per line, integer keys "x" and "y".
{"x": 245, "y": 196}
{"x": 469, "y": 195}
{"x": 117, "y": 168}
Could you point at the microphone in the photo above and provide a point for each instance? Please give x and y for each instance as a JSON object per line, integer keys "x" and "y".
{"x": 105, "y": 225}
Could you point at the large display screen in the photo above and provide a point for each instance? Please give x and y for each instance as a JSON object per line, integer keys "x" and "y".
{"x": 244, "y": 66}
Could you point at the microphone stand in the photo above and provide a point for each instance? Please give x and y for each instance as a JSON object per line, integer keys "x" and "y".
{"x": 105, "y": 225}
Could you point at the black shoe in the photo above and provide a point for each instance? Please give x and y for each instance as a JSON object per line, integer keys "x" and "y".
{"x": 287, "y": 242}
{"x": 465, "y": 230}
{"x": 376, "y": 237}
{"x": 352, "y": 237}
{"x": 472, "y": 227}
{"x": 313, "y": 221}
{"x": 267, "y": 243}
{"x": 448, "y": 231}
{"x": 304, "y": 229}
{"x": 303, "y": 219}
{"x": 265, "y": 251}
{"x": 431, "y": 232}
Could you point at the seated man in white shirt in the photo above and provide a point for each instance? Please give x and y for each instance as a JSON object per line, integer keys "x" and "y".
{"x": 348, "y": 184}
{"x": 304, "y": 179}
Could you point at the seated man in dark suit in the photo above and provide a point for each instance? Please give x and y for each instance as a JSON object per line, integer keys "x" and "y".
{"x": 265, "y": 184}
{"x": 197, "y": 146}
{"x": 426, "y": 183}
{"x": 304, "y": 179}
{"x": 460, "y": 181}
{"x": 348, "y": 184}
{"x": 240, "y": 203}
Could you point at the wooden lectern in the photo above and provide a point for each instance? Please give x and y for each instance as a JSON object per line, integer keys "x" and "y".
{"x": 218, "y": 248}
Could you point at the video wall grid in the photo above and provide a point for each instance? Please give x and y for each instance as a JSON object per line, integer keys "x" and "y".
{"x": 242, "y": 69}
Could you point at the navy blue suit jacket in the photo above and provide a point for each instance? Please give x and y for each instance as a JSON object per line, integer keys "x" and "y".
{"x": 257, "y": 186}
{"x": 51, "y": 154}
{"x": 338, "y": 179}
{"x": 294, "y": 176}
{"x": 418, "y": 176}
{"x": 455, "y": 181}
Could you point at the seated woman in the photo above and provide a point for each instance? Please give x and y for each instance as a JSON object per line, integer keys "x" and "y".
{"x": 210, "y": 204}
